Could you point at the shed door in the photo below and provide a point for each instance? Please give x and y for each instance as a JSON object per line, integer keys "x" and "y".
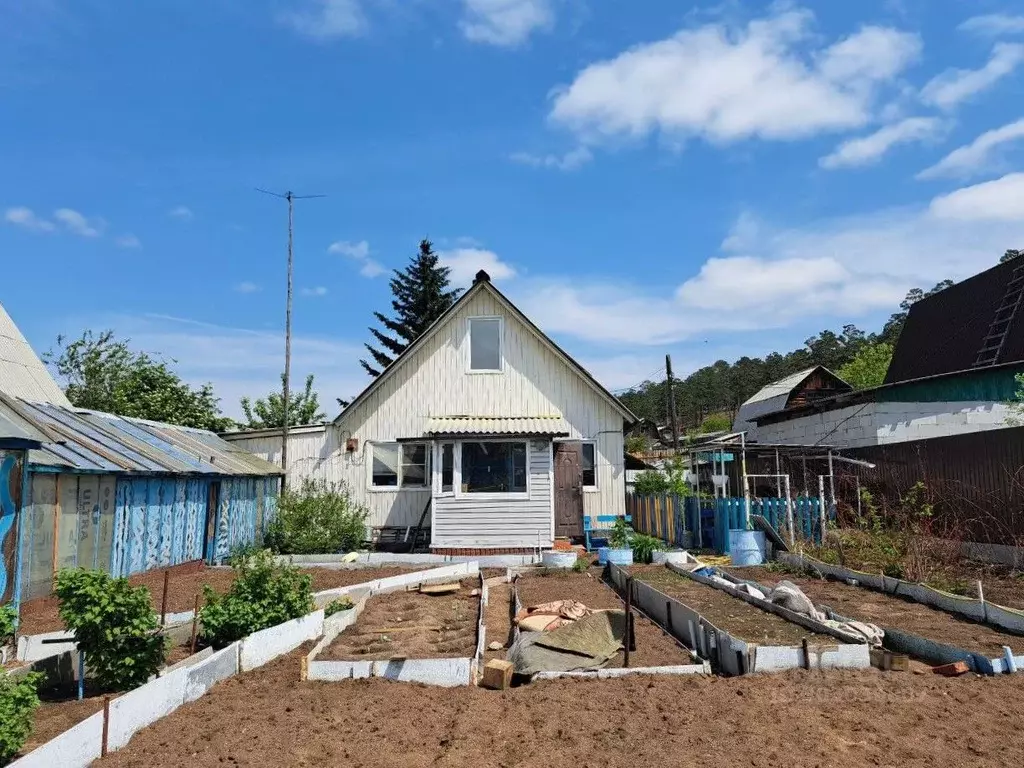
{"x": 568, "y": 490}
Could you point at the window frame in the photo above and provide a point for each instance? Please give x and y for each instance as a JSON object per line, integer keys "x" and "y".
{"x": 398, "y": 487}
{"x": 439, "y": 490}
{"x": 457, "y": 477}
{"x": 596, "y": 486}
{"x": 501, "y": 346}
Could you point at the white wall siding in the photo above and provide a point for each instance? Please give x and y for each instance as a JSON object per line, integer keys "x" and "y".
{"x": 884, "y": 423}
{"x": 463, "y": 521}
{"x": 434, "y": 382}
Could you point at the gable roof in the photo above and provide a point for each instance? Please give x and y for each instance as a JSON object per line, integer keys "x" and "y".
{"x": 483, "y": 284}
{"x": 776, "y": 396}
{"x": 22, "y": 373}
{"x": 945, "y": 332}
{"x": 783, "y": 386}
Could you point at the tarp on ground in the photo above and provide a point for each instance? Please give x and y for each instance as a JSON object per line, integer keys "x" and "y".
{"x": 589, "y": 643}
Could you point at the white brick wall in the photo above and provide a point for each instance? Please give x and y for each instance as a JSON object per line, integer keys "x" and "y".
{"x": 869, "y": 424}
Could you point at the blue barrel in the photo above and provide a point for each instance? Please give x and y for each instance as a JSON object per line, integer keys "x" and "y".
{"x": 620, "y": 556}
{"x": 602, "y": 555}
{"x": 747, "y": 547}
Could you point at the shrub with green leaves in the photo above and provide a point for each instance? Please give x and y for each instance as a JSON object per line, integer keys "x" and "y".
{"x": 644, "y": 547}
{"x": 316, "y": 518}
{"x": 621, "y": 534}
{"x": 343, "y": 603}
{"x": 264, "y": 594}
{"x": 8, "y": 623}
{"x": 114, "y": 624}
{"x": 18, "y": 702}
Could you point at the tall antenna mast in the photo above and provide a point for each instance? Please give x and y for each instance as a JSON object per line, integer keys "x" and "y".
{"x": 291, "y": 198}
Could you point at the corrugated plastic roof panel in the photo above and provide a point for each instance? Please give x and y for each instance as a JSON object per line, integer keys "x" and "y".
{"x": 497, "y": 425}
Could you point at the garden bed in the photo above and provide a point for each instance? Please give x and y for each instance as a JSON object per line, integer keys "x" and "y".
{"x": 187, "y": 581}
{"x": 729, "y": 614}
{"x": 654, "y": 647}
{"x": 862, "y": 604}
{"x": 269, "y": 717}
{"x": 59, "y": 709}
{"x": 412, "y": 625}
{"x": 498, "y": 619}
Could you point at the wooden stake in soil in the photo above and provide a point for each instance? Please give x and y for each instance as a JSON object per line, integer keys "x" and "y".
{"x": 807, "y": 653}
{"x": 163, "y": 600}
{"x": 195, "y": 626}
{"x": 628, "y": 639}
{"x": 106, "y": 726}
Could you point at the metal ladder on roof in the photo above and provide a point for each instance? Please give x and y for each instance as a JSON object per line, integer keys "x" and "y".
{"x": 992, "y": 345}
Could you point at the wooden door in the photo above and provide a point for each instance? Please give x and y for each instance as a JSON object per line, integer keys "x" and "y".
{"x": 568, "y": 490}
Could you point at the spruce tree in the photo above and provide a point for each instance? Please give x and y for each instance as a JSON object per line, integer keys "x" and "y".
{"x": 421, "y": 295}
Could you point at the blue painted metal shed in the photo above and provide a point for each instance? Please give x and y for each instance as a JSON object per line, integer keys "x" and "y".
{"x": 129, "y": 495}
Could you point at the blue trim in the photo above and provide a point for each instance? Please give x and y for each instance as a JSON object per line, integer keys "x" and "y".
{"x": 19, "y": 519}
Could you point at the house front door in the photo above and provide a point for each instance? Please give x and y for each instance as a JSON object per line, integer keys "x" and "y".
{"x": 568, "y": 490}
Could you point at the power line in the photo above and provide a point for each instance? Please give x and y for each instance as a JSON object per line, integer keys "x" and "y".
{"x": 291, "y": 198}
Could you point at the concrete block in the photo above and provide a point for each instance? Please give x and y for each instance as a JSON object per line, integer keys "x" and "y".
{"x": 447, "y": 673}
{"x": 32, "y": 647}
{"x": 333, "y": 671}
{"x": 136, "y": 709}
{"x": 77, "y": 747}
{"x": 190, "y": 661}
{"x": 216, "y": 667}
{"x": 265, "y": 645}
{"x": 497, "y": 674}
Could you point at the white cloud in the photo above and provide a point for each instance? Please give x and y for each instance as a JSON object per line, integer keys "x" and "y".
{"x": 182, "y": 212}
{"x": 570, "y": 161}
{"x": 247, "y": 287}
{"x": 994, "y": 24}
{"x": 315, "y": 292}
{"x": 976, "y": 157}
{"x": 464, "y": 263}
{"x": 24, "y": 217}
{"x": 78, "y": 224}
{"x": 869, "y": 149}
{"x": 505, "y": 22}
{"x": 127, "y": 240}
{"x": 727, "y": 83}
{"x": 359, "y": 251}
{"x": 765, "y": 277}
{"x": 324, "y": 20}
{"x": 956, "y": 85}
{"x": 998, "y": 200}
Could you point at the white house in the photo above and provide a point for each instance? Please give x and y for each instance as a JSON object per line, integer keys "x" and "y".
{"x": 485, "y": 419}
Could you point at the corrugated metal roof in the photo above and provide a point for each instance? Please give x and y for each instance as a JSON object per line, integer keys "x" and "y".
{"x": 781, "y": 387}
{"x": 11, "y": 431}
{"x": 22, "y": 373}
{"x": 101, "y": 442}
{"x": 497, "y": 425}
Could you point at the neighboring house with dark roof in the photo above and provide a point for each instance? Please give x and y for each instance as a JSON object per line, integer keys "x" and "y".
{"x": 116, "y": 494}
{"x": 798, "y": 389}
{"x": 484, "y": 424}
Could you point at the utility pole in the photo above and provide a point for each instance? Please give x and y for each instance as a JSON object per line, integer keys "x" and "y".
{"x": 672, "y": 404}
{"x": 285, "y": 394}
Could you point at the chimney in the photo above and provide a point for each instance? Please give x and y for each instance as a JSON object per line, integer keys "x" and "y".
{"x": 481, "y": 277}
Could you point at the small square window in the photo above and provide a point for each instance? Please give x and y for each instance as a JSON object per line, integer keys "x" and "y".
{"x": 485, "y": 344}
{"x": 588, "y": 464}
{"x": 385, "y": 465}
{"x": 494, "y": 468}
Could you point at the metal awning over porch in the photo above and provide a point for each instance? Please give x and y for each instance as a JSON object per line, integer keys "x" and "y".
{"x": 520, "y": 426}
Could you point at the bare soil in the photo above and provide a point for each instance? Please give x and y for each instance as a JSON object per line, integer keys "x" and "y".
{"x": 187, "y": 581}
{"x": 889, "y": 610}
{"x": 800, "y": 719}
{"x": 412, "y": 625}
{"x": 498, "y": 620}
{"x": 60, "y": 710}
{"x": 740, "y": 619}
{"x": 654, "y": 647}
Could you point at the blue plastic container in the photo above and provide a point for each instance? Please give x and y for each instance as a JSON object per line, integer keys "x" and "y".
{"x": 747, "y": 547}
{"x": 620, "y": 556}
{"x": 602, "y": 555}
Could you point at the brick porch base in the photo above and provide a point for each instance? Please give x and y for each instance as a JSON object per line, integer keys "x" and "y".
{"x": 477, "y": 552}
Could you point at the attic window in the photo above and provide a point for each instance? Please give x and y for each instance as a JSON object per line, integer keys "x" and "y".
{"x": 485, "y": 344}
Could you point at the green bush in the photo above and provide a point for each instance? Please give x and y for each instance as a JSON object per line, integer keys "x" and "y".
{"x": 8, "y": 623}
{"x": 263, "y": 595}
{"x": 343, "y": 603}
{"x": 316, "y": 518}
{"x": 650, "y": 483}
{"x": 621, "y": 534}
{"x": 644, "y": 547}
{"x": 114, "y": 624}
{"x": 18, "y": 702}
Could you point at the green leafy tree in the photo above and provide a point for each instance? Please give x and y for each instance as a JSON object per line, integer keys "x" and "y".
{"x": 8, "y": 624}
{"x": 104, "y": 374}
{"x": 316, "y": 518}
{"x": 869, "y": 367}
{"x": 716, "y": 422}
{"x": 1010, "y": 255}
{"x": 114, "y": 625}
{"x": 421, "y": 295}
{"x": 18, "y": 703}
{"x": 262, "y": 595}
{"x": 265, "y": 413}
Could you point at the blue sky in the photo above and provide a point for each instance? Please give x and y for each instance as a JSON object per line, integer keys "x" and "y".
{"x": 641, "y": 178}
